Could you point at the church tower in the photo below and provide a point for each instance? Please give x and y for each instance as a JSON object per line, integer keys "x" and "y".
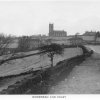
{"x": 50, "y": 29}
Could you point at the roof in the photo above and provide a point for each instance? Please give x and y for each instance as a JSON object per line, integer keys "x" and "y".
{"x": 59, "y": 31}
{"x": 75, "y": 38}
{"x": 90, "y": 33}
{"x": 36, "y": 40}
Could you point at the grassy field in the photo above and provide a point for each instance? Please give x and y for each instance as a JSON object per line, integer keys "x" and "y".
{"x": 23, "y": 65}
{"x": 35, "y": 62}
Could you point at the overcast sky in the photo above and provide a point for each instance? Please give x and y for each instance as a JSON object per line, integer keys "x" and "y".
{"x": 33, "y": 17}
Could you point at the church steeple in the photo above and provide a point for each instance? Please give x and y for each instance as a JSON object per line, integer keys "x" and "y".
{"x": 50, "y": 29}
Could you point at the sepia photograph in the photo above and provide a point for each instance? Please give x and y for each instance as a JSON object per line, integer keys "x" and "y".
{"x": 49, "y": 47}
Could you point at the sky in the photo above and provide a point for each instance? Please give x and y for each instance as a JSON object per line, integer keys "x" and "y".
{"x": 33, "y": 17}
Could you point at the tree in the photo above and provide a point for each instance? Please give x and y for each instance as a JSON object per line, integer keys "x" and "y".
{"x": 5, "y": 41}
{"x": 76, "y": 35}
{"x": 24, "y": 43}
{"x": 5, "y": 50}
{"x": 51, "y": 50}
{"x": 96, "y": 36}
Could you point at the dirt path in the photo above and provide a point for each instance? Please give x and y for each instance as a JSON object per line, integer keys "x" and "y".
{"x": 84, "y": 79}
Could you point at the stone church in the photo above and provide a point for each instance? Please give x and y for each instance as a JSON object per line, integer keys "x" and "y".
{"x": 56, "y": 33}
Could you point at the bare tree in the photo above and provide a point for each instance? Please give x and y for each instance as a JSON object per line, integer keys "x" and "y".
{"x": 8, "y": 54}
{"x": 5, "y": 51}
{"x": 24, "y": 43}
{"x": 96, "y": 36}
{"x": 77, "y": 34}
{"x": 4, "y": 44}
